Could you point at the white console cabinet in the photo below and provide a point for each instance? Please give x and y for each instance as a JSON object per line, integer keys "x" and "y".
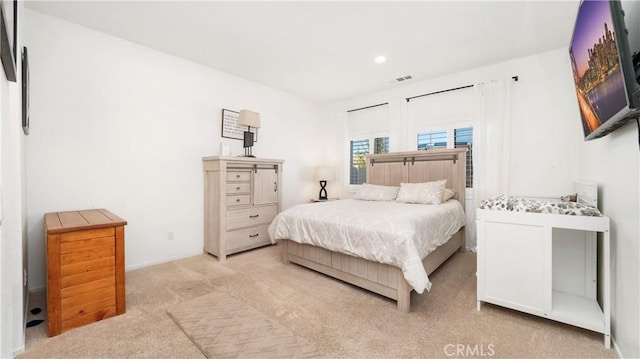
{"x": 525, "y": 263}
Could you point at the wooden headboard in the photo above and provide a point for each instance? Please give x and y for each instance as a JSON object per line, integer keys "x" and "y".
{"x": 389, "y": 169}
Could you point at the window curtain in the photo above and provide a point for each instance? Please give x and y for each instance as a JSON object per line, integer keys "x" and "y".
{"x": 437, "y": 112}
{"x": 492, "y": 145}
{"x": 368, "y": 121}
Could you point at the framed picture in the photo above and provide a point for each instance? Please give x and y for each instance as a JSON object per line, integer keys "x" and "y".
{"x": 25, "y": 91}
{"x": 8, "y": 36}
{"x": 231, "y": 129}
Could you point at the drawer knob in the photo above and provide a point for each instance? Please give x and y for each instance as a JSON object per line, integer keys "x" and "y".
{"x": 254, "y": 235}
{"x": 237, "y": 176}
{"x": 237, "y": 199}
{"x": 254, "y": 216}
{"x": 238, "y": 188}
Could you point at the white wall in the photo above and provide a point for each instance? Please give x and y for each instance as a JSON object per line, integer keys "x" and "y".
{"x": 545, "y": 137}
{"x": 548, "y": 154}
{"x": 614, "y": 163}
{"x": 124, "y": 127}
{"x": 12, "y": 203}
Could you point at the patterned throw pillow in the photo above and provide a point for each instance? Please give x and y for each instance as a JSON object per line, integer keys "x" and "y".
{"x": 424, "y": 193}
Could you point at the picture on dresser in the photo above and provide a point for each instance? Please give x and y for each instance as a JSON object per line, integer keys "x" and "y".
{"x": 231, "y": 129}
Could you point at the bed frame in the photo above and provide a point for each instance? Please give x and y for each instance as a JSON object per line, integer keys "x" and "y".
{"x": 390, "y": 169}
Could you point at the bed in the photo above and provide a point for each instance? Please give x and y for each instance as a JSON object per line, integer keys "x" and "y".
{"x": 378, "y": 273}
{"x": 540, "y": 256}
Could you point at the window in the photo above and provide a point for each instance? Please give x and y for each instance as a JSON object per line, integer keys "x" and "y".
{"x": 359, "y": 149}
{"x": 381, "y": 145}
{"x": 463, "y": 137}
{"x": 367, "y": 132}
{"x": 430, "y": 140}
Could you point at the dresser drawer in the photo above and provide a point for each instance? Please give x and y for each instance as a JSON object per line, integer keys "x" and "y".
{"x": 250, "y": 217}
{"x": 238, "y": 188}
{"x": 238, "y": 176}
{"x": 247, "y": 238}
{"x": 238, "y": 200}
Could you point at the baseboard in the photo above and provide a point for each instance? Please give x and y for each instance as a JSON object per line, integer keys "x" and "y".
{"x": 162, "y": 261}
{"x": 22, "y": 348}
{"x": 616, "y": 348}
{"x": 19, "y": 351}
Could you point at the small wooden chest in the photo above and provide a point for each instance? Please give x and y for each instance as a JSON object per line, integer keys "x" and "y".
{"x": 85, "y": 268}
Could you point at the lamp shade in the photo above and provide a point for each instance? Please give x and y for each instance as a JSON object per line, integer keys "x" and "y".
{"x": 324, "y": 173}
{"x": 249, "y": 118}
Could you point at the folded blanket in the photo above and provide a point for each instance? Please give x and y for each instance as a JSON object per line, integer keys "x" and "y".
{"x": 520, "y": 204}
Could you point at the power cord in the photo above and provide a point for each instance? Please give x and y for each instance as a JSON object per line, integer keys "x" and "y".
{"x": 638, "y": 123}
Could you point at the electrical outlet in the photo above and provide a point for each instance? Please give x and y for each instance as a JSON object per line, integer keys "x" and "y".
{"x": 170, "y": 236}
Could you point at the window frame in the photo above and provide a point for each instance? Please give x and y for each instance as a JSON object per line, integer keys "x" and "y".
{"x": 361, "y": 137}
{"x": 449, "y": 128}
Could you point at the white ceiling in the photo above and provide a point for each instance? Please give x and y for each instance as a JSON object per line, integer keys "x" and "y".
{"x": 324, "y": 51}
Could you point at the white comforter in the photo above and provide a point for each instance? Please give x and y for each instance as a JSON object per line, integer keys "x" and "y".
{"x": 399, "y": 234}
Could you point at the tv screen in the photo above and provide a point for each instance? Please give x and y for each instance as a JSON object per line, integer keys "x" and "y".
{"x": 599, "y": 52}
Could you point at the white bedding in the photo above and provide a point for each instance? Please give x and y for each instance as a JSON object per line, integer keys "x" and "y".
{"x": 399, "y": 234}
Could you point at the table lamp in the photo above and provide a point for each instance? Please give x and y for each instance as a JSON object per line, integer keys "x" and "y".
{"x": 249, "y": 119}
{"x": 323, "y": 174}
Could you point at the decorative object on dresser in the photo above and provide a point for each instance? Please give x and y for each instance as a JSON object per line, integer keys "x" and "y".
{"x": 388, "y": 169}
{"x": 231, "y": 128}
{"x": 85, "y": 268}
{"x": 249, "y": 119}
{"x": 541, "y": 257}
{"x": 242, "y": 196}
{"x": 323, "y": 174}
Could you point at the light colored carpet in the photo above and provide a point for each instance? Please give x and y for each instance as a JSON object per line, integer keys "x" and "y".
{"x": 225, "y": 327}
{"x": 339, "y": 320}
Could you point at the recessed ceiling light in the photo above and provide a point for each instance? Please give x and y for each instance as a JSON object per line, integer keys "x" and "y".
{"x": 380, "y": 59}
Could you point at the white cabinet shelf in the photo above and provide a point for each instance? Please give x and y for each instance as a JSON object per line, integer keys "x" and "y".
{"x": 520, "y": 264}
{"x": 577, "y": 310}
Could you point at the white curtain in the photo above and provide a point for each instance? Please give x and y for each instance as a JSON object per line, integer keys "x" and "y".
{"x": 491, "y": 145}
{"x": 368, "y": 121}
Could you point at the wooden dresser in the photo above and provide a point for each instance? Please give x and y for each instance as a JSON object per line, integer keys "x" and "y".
{"x": 242, "y": 195}
{"x": 85, "y": 268}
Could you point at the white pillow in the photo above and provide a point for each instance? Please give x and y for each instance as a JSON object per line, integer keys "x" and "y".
{"x": 425, "y": 193}
{"x": 372, "y": 192}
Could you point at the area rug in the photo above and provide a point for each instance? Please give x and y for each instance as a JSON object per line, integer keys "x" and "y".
{"x": 222, "y": 326}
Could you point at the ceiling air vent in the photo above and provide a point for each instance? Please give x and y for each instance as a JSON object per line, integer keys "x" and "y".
{"x": 399, "y": 79}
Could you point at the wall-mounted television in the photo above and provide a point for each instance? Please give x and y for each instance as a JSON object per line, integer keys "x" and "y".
{"x": 606, "y": 79}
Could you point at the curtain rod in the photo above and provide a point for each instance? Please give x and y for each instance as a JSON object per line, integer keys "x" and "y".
{"x": 364, "y": 108}
{"x": 515, "y": 78}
